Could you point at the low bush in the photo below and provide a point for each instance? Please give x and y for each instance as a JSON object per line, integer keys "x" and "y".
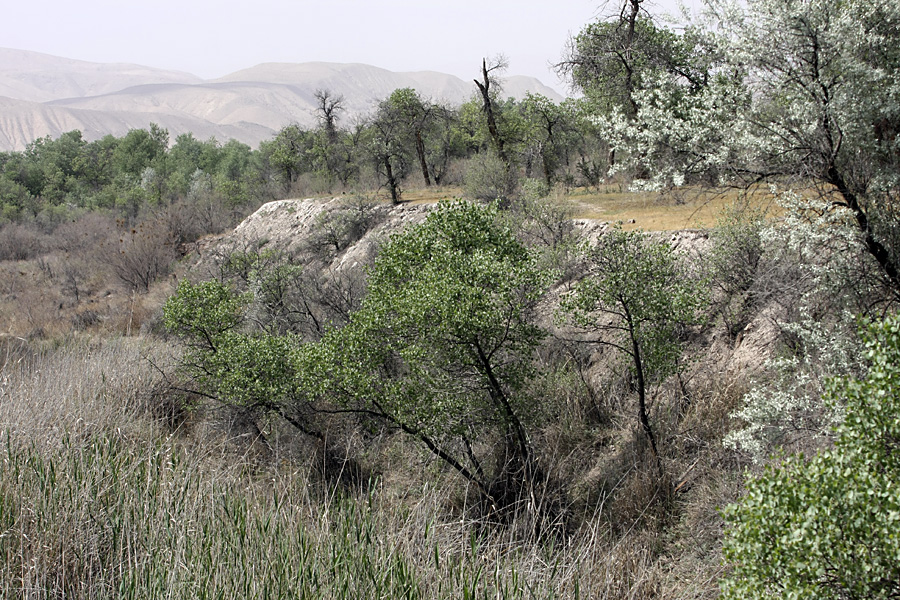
{"x": 21, "y": 242}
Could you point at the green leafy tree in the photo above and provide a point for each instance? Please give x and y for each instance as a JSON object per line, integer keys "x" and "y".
{"x": 242, "y": 369}
{"x": 238, "y": 174}
{"x": 284, "y": 154}
{"x": 21, "y": 171}
{"x": 829, "y": 527}
{"x": 611, "y": 59}
{"x": 636, "y": 297}
{"x": 203, "y": 313}
{"x": 388, "y": 151}
{"x": 442, "y": 345}
{"x": 96, "y": 166}
{"x": 549, "y": 130}
{"x": 188, "y": 157}
{"x": 139, "y": 149}
{"x": 415, "y": 115}
{"x": 15, "y": 201}
{"x": 59, "y": 162}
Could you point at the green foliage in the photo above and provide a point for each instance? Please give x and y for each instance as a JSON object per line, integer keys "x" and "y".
{"x": 236, "y": 367}
{"x": 390, "y": 156}
{"x": 638, "y": 297}
{"x": 443, "y": 340}
{"x": 139, "y": 149}
{"x": 53, "y": 181}
{"x": 549, "y": 132}
{"x": 204, "y": 312}
{"x": 830, "y": 527}
{"x": 251, "y": 370}
{"x": 420, "y": 127}
{"x": 284, "y": 154}
{"x": 610, "y": 59}
{"x": 645, "y": 288}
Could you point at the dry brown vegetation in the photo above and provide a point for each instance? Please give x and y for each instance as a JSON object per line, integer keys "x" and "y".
{"x": 115, "y": 483}
{"x": 104, "y": 497}
{"x": 672, "y": 210}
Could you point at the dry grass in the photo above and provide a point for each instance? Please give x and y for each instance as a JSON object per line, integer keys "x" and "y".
{"x": 685, "y": 208}
{"x": 99, "y": 500}
{"x": 431, "y": 194}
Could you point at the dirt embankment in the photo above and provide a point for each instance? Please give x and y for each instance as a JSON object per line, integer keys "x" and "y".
{"x": 342, "y": 234}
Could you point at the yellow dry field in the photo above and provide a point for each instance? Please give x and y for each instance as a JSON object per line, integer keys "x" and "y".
{"x": 432, "y": 194}
{"x": 684, "y": 208}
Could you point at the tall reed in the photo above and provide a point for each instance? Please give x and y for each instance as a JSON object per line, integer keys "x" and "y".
{"x": 97, "y": 500}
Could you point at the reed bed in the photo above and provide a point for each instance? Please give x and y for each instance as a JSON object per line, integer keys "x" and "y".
{"x": 99, "y": 499}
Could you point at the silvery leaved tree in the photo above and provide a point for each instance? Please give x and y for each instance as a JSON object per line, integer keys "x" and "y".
{"x": 800, "y": 92}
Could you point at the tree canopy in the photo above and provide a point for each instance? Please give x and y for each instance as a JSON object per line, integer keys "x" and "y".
{"x": 443, "y": 341}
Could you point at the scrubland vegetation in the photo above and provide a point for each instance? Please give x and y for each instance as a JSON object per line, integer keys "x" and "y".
{"x": 482, "y": 398}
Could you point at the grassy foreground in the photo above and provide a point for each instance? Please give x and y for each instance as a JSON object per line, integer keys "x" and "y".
{"x": 100, "y": 498}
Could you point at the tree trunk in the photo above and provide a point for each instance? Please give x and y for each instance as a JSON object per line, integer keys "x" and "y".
{"x": 420, "y": 151}
{"x": 873, "y": 246}
{"x": 548, "y": 176}
{"x": 635, "y": 7}
{"x": 391, "y": 180}
{"x": 642, "y": 396}
{"x": 488, "y": 106}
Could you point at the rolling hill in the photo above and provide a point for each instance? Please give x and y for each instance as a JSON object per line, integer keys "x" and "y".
{"x": 42, "y": 95}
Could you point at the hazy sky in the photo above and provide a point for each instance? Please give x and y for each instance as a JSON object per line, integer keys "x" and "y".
{"x": 213, "y": 38}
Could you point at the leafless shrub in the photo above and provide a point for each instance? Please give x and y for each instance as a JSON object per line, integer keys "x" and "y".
{"x": 338, "y": 228}
{"x": 488, "y": 178}
{"x": 85, "y": 235}
{"x": 13, "y": 350}
{"x": 85, "y": 319}
{"x": 38, "y": 315}
{"x": 188, "y": 220}
{"x": 142, "y": 255}
{"x": 735, "y": 265}
{"x": 21, "y": 242}
{"x": 546, "y": 223}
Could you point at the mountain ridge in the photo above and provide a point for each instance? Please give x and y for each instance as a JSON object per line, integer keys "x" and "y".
{"x": 44, "y": 95}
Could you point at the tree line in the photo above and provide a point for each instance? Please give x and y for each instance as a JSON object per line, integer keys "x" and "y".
{"x": 408, "y": 140}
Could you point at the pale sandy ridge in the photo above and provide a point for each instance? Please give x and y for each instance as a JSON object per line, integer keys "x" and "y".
{"x": 47, "y": 96}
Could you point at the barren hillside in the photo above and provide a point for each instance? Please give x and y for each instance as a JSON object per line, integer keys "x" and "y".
{"x": 38, "y": 77}
{"x": 43, "y": 95}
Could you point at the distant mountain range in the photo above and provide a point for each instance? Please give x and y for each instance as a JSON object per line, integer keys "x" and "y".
{"x": 44, "y": 95}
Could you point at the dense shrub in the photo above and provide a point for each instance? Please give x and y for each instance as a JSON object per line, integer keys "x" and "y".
{"x": 828, "y": 527}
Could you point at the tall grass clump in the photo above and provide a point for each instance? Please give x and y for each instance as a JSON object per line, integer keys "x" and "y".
{"x": 100, "y": 498}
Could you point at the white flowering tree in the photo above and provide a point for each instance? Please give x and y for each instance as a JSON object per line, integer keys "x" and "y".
{"x": 804, "y": 91}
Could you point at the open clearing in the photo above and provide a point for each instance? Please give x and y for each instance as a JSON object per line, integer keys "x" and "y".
{"x": 684, "y": 208}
